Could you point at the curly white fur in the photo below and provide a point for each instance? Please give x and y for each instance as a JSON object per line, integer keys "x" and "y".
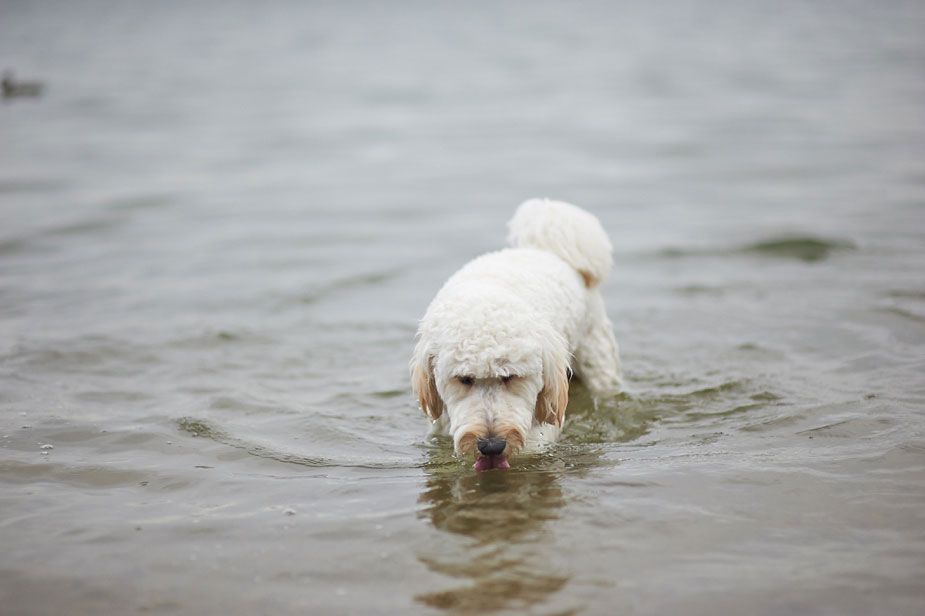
{"x": 498, "y": 342}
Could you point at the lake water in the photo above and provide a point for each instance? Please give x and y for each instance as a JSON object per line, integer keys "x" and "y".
{"x": 221, "y": 221}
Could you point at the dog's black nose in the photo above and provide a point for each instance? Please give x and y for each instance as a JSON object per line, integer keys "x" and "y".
{"x": 491, "y": 446}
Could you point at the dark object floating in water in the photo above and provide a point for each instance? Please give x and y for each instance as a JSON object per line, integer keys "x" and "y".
{"x": 804, "y": 248}
{"x": 20, "y": 89}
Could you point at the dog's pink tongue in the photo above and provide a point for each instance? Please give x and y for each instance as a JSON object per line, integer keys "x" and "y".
{"x": 482, "y": 464}
{"x": 486, "y": 463}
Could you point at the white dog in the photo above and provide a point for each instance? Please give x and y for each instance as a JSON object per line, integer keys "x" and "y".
{"x": 500, "y": 341}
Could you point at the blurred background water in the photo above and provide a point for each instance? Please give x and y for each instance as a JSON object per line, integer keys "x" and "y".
{"x": 221, "y": 221}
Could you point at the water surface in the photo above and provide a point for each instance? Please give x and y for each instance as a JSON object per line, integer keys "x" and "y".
{"x": 221, "y": 222}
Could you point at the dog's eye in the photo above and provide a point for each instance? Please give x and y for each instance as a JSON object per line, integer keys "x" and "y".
{"x": 466, "y": 380}
{"x": 507, "y": 379}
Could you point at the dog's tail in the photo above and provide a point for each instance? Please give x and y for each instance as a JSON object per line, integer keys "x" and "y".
{"x": 567, "y": 231}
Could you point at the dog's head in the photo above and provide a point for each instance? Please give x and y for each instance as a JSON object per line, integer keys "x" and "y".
{"x": 494, "y": 381}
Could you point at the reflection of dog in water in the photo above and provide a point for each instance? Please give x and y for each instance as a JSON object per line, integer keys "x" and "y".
{"x": 500, "y": 340}
{"x": 500, "y": 515}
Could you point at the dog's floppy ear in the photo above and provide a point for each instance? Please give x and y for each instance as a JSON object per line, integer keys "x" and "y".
{"x": 425, "y": 384}
{"x": 553, "y": 398}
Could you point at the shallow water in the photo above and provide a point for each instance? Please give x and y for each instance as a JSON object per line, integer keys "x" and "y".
{"x": 220, "y": 224}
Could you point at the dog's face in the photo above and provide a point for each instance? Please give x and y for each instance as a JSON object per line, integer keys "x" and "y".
{"x": 492, "y": 398}
{"x": 490, "y": 412}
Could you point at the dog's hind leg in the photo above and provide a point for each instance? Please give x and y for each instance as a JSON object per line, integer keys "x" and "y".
{"x": 597, "y": 356}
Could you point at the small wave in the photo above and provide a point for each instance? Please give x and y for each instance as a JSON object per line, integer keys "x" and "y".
{"x": 803, "y": 248}
{"x": 113, "y": 396}
{"x": 139, "y": 202}
{"x": 623, "y": 418}
{"x": 83, "y": 227}
{"x": 96, "y": 354}
{"x": 347, "y": 283}
{"x": 199, "y": 428}
{"x": 35, "y": 185}
{"x": 853, "y": 428}
{"x": 13, "y": 246}
{"x": 36, "y": 240}
{"x": 716, "y": 403}
{"x": 82, "y": 476}
{"x": 700, "y": 289}
{"x": 903, "y": 313}
{"x": 209, "y": 339}
{"x": 907, "y": 294}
